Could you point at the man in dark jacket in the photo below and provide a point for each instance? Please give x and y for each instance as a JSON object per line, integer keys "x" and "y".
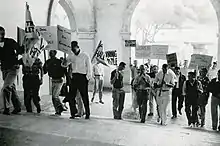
{"x": 203, "y": 99}
{"x": 177, "y": 93}
{"x": 191, "y": 90}
{"x": 9, "y": 50}
{"x": 32, "y": 79}
{"x": 55, "y": 71}
{"x": 214, "y": 87}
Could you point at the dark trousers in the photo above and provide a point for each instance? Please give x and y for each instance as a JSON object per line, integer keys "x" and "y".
{"x": 142, "y": 98}
{"x": 9, "y": 89}
{"x": 78, "y": 82}
{"x": 191, "y": 109}
{"x": 118, "y": 96}
{"x": 31, "y": 85}
{"x": 202, "y": 102}
{"x": 176, "y": 93}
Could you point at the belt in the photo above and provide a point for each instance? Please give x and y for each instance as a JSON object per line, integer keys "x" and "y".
{"x": 165, "y": 90}
{"x": 98, "y": 75}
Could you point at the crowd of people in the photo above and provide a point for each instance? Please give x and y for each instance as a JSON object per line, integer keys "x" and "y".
{"x": 192, "y": 90}
{"x": 148, "y": 85}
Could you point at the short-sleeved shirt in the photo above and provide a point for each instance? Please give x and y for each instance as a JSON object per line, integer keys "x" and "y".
{"x": 119, "y": 81}
{"x": 34, "y": 69}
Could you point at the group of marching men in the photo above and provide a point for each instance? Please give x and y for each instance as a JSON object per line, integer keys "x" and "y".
{"x": 162, "y": 86}
{"x": 76, "y": 69}
{"x": 171, "y": 84}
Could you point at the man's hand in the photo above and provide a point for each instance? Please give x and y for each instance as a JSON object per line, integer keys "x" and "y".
{"x": 41, "y": 81}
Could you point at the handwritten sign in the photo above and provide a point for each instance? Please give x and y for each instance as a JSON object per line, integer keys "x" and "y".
{"x": 130, "y": 43}
{"x": 143, "y": 52}
{"x": 64, "y": 39}
{"x": 200, "y": 61}
{"x": 172, "y": 59}
{"x": 159, "y": 51}
{"x": 111, "y": 57}
{"x": 49, "y": 33}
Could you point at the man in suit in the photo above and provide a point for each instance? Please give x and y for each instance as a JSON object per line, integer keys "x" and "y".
{"x": 177, "y": 93}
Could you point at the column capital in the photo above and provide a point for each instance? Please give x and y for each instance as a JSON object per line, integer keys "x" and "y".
{"x": 86, "y": 35}
{"x": 125, "y": 35}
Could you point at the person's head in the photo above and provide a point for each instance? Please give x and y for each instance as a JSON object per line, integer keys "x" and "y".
{"x": 203, "y": 72}
{"x": 218, "y": 75}
{"x": 191, "y": 76}
{"x": 165, "y": 68}
{"x": 121, "y": 66}
{"x": 214, "y": 65}
{"x": 74, "y": 47}
{"x": 53, "y": 53}
{"x": 2, "y": 33}
{"x": 154, "y": 69}
{"x": 185, "y": 64}
{"x": 177, "y": 70}
{"x": 142, "y": 69}
{"x": 135, "y": 62}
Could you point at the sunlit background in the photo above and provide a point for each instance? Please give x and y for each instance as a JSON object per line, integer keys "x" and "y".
{"x": 181, "y": 24}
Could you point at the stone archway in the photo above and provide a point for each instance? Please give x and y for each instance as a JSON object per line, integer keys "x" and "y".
{"x": 68, "y": 8}
{"x": 132, "y": 4}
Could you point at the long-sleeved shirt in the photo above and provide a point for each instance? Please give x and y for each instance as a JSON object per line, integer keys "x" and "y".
{"x": 80, "y": 63}
{"x": 214, "y": 87}
{"x": 9, "y": 51}
{"x": 212, "y": 73}
{"x": 169, "y": 78}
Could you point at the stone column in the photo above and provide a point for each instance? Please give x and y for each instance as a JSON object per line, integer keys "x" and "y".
{"x": 124, "y": 54}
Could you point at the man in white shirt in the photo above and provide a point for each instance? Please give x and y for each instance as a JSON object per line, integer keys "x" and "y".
{"x": 134, "y": 73}
{"x": 81, "y": 74}
{"x": 98, "y": 73}
{"x": 213, "y": 71}
{"x": 164, "y": 82}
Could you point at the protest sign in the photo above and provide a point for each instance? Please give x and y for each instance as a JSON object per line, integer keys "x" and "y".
{"x": 130, "y": 43}
{"x": 143, "y": 52}
{"x": 49, "y": 33}
{"x": 172, "y": 59}
{"x": 198, "y": 60}
{"x": 159, "y": 51}
{"x": 111, "y": 57}
{"x": 64, "y": 39}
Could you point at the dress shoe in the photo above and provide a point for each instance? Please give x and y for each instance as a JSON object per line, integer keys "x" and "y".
{"x": 6, "y": 112}
{"x": 38, "y": 110}
{"x": 57, "y": 114}
{"x": 92, "y": 99}
{"x": 16, "y": 111}
{"x": 101, "y": 102}
{"x": 72, "y": 117}
{"x": 142, "y": 121}
{"x": 87, "y": 117}
{"x": 78, "y": 116}
{"x": 173, "y": 117}
{"x": 180, "y": 112}
{"x": 150, "y": 114}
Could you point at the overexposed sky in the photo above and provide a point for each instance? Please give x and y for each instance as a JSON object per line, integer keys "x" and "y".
{"x": 196, "y": 21}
